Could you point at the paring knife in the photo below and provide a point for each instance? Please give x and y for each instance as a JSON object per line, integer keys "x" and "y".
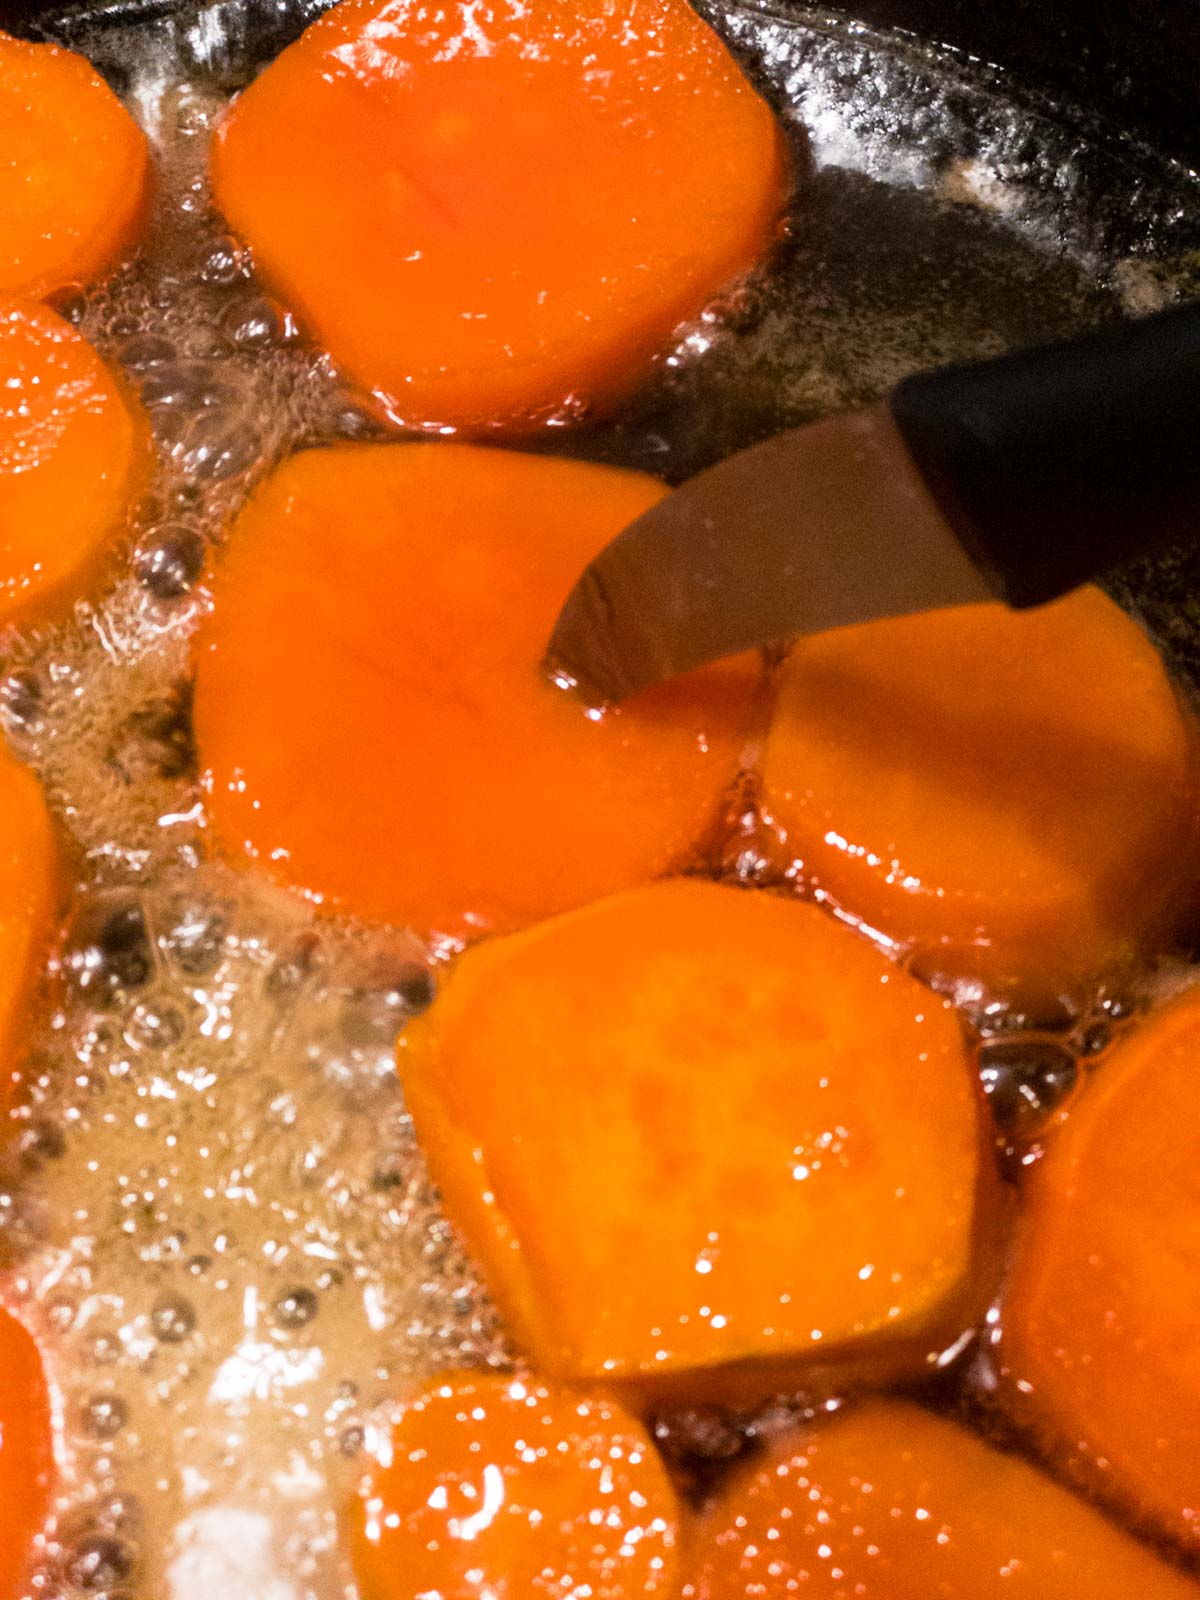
{"x": 1012, "y": 479}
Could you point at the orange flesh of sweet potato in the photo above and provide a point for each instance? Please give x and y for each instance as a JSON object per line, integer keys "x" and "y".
{"x": 1020, "y": 780}
{"x": 692, "y": 1126}
{"x": 510, "y": 1488}
{"x": 372, "y": 711}
{"x": 26, "y": 1455}
{"x": 487, "y": 214}
{"x": 889, "y": 1503}
{"x": 30, "y": 883}
{"x": 1101, "y": 1318}
{"x": 74, "y": 171}
{"x": 74, "y": 451}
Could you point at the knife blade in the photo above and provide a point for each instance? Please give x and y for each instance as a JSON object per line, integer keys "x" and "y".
{"x": 1015, "y": 478}
{"x": 815, "y": 528}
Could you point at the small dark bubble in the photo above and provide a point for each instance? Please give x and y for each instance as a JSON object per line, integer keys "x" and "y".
{"x": 147, "y": 508}
{"x": 173, "y": 1319}
{"x": 1094, "y": 1038}
{"x": 372, "y": 1017}
{"x": 42, "y": 1141}
{"x": 72, "y": 308}
{"x": 171, "y": 566}
{"x": 196, "y": 932}
{"x": 188, "y": 497}
{"x": 193, "y": 119}
{"x": 351, "y": 422}
{"x": 1117, "y": 1007}
{"x": 352, "y": 1440}
{"x": 330, "y": 1278}
{"x": 61, "y": 1313}
{"x": 296, "y": 1308}
{"x": 105, "y": 1349}
{"x": 292, "y": 970}
{"x": 224, "y": 263}
{"x": 1025, "y": 1080}
{"x": 104, "y": 1415}
{"x": 164, "y": 293}
{"x": 253, "y": 324}
{"x": 703, "y": 1433}
{"x": 98, "y": 1562}
{"x": 209, "y": 344}
{"x": 146, "y": 350}
{"x": 156, "y": 740}
{"x": 177, "y": 384}
{"x": 124, "y": 327}
{"x": 21, "y": 699}
{"x": 389, "y": 1175}
{"x": 741, "y": 310}
{"x": 155, "y": 1027}
{"x": 416, "y": 987}
{"x": 215, "y": 447}
{"x": 197, "y": 1266}
{"x": 118, "y": 77}
{"x": 108, "y": 945}
{"x": 118, "y": 1514}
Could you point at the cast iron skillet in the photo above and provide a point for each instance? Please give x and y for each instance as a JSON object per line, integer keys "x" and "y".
{"x": 1136, "y": 63}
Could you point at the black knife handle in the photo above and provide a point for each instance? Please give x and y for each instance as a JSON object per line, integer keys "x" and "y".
{"x": 1054, "y": 465}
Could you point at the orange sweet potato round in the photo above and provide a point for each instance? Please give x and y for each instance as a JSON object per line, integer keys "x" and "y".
{"x": 74, "y": 451}
{"x": 372, "y": 712}
{"x": 26, "y": 1455}
{"x": 1011, "y": 793}
{"x": 1100, "y": 1351}
{"x": 512, "y": 1488}
{"x": 691, "y": 1128}
{"x": 887, "y": 1502}
{"x": 74, "y": 171}
{"x": 491, "y": 214}
{"x": 30, "y": 884}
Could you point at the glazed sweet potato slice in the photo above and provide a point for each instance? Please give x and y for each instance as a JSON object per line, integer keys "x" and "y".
{"x": 26, "y": 1455}
{"x": 1100, "y": 1347}
{"x": 74, "y": 451}
{"x": 74, "y": 171}
{"x": 372, "y": 712}
{"x": 513, "y": 1488}
{"x": 887, "y": 1502}
{"x": 1011, "y": 793}
{"x": 692, "y": 1127}
{"x": 491, "y": 215}
{"x": 30, "y": 884}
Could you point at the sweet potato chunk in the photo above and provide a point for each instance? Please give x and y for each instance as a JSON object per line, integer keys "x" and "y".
{"x": 371, "y": 707}
{"x": 74, "y": 170}
{"x": 1012, "y": 793}
{"x": 491, "y": 214}
{"x": 30, "y": 882}
{"x": 693, "y": 1126}
{"x": 1100, "y": 1347}
{"x": 510, "y": 1488}
{"x": 74, "y": 450}
{"x": 26, "y": 1455}
{"x": 886, "y": 1502}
